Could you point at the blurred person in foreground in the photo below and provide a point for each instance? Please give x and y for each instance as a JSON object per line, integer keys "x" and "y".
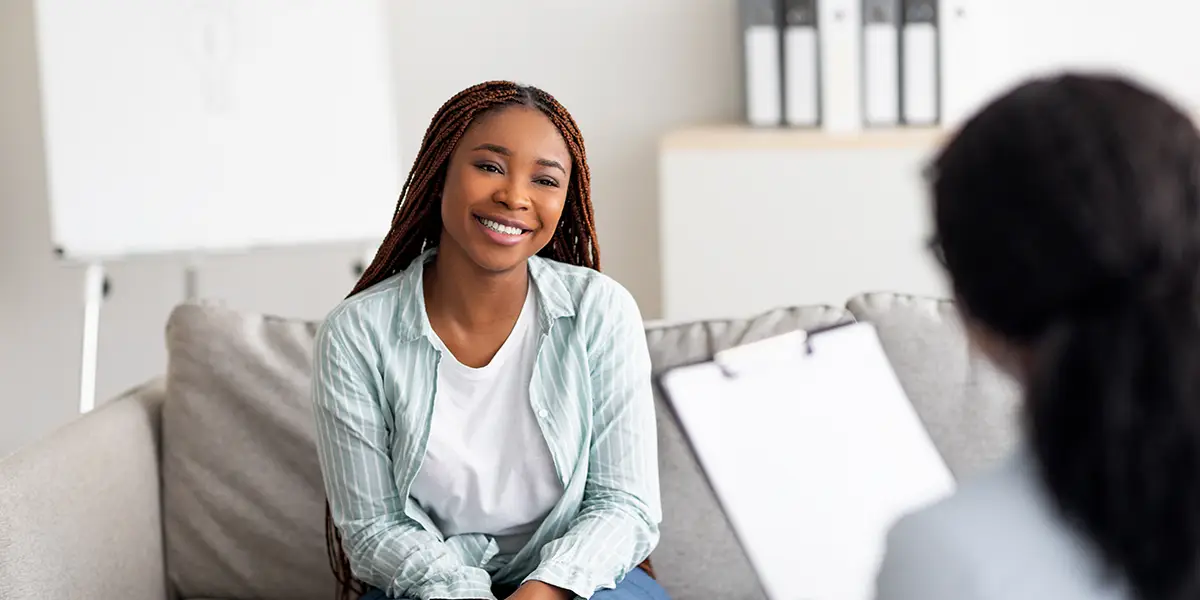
{"x": 1067, "y": 217}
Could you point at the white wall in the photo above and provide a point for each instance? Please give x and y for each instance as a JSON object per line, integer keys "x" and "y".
{"x": 629, "y": 70}
{"x": 996, "y": 44}
{"x": 754, "y": 220}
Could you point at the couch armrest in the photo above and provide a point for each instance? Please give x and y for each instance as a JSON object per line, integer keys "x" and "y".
{"x": 80, "y": 509}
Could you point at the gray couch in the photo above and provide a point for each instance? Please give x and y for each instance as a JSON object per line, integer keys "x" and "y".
{"x": 205, "y": 484}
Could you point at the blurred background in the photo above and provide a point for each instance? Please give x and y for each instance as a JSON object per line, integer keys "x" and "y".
{"x": 745, "y": 154}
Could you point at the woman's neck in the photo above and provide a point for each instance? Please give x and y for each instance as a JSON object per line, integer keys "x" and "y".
{"x": 458, "y": 291}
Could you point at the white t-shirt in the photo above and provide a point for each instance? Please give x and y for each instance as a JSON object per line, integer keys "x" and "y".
{"x": 487, "y": 467}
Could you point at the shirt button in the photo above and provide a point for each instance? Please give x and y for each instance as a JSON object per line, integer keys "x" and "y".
{"x": 542, "y": 414}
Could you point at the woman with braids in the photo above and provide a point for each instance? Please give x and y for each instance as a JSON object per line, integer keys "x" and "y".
{"x": 483, "y": 397}
{"x": 1068, "y": 219}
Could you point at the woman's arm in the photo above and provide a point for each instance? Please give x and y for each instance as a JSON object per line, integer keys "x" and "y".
{"x": 386, "y": 549}
{"x": 617, "y": 526}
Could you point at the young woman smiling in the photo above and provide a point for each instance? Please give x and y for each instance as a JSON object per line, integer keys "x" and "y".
{"x": 483, "y": 398}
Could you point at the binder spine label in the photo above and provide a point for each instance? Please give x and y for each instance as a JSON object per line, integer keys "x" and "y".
{"x": 920, "y": 66}
{"x": 881, "y": 62}
{"x": 840, "y": 25}
{"x": 762, "y": 54}
{"x": 802, "y": 81}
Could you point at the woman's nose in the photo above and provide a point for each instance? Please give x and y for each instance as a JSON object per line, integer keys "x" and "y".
{"x": 513, "y": 196}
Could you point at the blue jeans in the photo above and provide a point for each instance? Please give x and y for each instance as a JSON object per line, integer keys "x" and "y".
{"x": 636, "y": 586}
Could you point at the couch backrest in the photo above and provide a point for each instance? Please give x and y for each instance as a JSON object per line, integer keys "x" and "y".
{"x": 967, "y": 405}
{"x": 243, "y": 507}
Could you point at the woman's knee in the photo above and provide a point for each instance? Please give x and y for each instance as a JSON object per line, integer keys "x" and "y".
{"x": 637, "y": 585}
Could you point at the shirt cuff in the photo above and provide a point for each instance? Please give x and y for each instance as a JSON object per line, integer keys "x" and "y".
{"x": 581, "y": 582}
{"x": 462, "y": 584}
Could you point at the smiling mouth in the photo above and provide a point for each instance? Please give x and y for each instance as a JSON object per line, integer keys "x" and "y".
{"x": 500, "y": 227}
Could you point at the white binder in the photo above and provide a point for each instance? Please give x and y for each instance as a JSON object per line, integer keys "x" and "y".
{"x": 920, "y": 86}
{"x": 881, "y": 62}
{"x": 801, "y": 73}
{"x": 839, "y": 22}
{"x": 966, "y": 29}
{"x": 762, "y": 52}
{"x": 813, "y": 451}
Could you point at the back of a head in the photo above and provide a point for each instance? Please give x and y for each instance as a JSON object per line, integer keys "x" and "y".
{"x": 1068, "y": 218}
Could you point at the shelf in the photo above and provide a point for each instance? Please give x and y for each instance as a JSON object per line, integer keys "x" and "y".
{"x": 743, "y": 137}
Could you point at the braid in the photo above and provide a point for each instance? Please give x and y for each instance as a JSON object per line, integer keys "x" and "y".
{"x": 417, "y": 222}
{"x": 575, "y": 240}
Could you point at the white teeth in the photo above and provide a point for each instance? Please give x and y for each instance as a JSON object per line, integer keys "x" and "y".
{"x": 505, "y": 229}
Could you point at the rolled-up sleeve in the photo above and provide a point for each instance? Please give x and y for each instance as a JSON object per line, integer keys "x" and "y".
{"x": 618, "y": 523}
{"x": 386, "y": 548}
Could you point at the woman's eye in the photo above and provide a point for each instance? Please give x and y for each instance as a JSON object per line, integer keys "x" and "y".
{"x": 489, "y": 167}
{"x": 546, "y": 181}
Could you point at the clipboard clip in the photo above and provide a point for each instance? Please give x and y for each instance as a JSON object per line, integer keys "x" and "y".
{"x": 770, "y": 351}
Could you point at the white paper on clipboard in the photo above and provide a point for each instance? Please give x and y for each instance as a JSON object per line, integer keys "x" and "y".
{"x": 813, "y": 451}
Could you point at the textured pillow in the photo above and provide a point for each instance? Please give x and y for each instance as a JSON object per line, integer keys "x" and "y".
{"x": 698, "y": 556}
{"x": 967, "y": 405}
{"x": 243, "y": 503}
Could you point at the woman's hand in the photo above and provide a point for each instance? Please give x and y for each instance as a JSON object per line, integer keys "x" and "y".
{"x": 537, "y": 590}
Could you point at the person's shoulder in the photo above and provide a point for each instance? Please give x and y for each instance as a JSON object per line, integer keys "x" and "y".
{"x": 997, "y": 533}
{"x": 365, "y": 311}
{"x": 941, "y": 551}
{"x": 590, "y": 290}
{"x": 574, "y": 277}
{"x": 993, "y": 501}
{"x": 941, "y": 528}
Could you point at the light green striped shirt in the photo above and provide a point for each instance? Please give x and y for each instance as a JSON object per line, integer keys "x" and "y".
{"x": 375, "y": 374}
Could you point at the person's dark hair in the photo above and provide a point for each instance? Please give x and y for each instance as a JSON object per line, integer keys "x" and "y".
{"x": 1068, "y": 218}
{"x": 417, "y": 223}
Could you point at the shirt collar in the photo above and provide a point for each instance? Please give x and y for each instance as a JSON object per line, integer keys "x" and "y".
{"x": 554, "y": 297}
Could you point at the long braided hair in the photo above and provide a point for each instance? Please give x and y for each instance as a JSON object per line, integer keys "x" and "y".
{"x": 417, "y": 222}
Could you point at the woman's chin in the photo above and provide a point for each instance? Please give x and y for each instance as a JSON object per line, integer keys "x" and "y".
{"x": 499, "y": 259}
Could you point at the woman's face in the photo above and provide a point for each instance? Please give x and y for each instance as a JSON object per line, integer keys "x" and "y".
{"x": 506, "y": 185}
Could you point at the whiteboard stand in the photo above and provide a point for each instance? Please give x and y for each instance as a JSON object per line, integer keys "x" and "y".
{"x": 95, "y": 289}
{"x": 191, "y": 279}
{"x": 360, "y": 266}
{"x": 190, "y": 285}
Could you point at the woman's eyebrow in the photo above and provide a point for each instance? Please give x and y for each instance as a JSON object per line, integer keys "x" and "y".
{"x": 498, "y": 149}
{"x": 501, "y": 150}
{"x": 554, "y": 164}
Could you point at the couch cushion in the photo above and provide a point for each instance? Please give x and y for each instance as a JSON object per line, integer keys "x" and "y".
{"x": 698, "y": 556}
{"x": 968, "y": 406}
{"x": 243, "y": 509}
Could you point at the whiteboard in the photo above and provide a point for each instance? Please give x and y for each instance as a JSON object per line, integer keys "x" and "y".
{"x": 199, "y": 126}
{"x": 991, "y": 45}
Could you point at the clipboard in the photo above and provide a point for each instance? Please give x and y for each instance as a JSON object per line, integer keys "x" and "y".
{"x": 813, "y": 451}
